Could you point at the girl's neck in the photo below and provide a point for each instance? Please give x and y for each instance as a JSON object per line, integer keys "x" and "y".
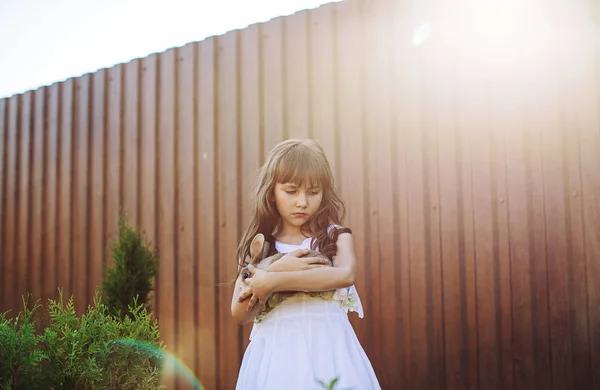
{"x": 292, "y": 235}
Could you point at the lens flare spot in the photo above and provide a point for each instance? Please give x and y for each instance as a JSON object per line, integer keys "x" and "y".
{"x": 172, "y": 366}
{"x": 421, "y": 34}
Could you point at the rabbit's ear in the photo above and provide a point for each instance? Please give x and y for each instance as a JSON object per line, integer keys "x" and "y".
{"x": 256, "y": 246}
{"x": 265, "y": 251}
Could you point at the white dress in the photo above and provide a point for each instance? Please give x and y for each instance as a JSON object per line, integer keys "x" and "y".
{"x": 304, "y": 340}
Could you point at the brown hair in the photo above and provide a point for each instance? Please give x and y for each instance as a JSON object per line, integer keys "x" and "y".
{"x": 294, "y": 160}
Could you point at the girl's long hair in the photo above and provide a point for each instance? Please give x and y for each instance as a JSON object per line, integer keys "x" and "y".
{"x": 294, "y": 161}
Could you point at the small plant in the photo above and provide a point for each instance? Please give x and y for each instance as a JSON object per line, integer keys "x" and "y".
{"x": 130, "y": 277}
{"x": 94, "y": 351}
{"x": 331, "y": 385}
{"x": 20, "y": 360}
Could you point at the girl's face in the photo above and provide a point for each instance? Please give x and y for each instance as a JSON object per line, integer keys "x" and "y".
{"x": 296, "y": 204}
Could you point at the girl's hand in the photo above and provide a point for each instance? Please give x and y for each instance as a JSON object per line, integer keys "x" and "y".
{"x": 293, "y": 261}
{"x": 245, "y": 292}
{"x": 259, "y": 288}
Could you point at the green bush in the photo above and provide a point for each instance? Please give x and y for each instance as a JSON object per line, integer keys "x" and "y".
{"x": 95, "y": 351}
{"x": 130, "y": 277}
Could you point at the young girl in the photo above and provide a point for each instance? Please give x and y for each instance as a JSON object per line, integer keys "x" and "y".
{"x": 303, "y": 340}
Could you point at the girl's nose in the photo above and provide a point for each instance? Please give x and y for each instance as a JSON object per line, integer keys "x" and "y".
{"x": 301, "y": 201}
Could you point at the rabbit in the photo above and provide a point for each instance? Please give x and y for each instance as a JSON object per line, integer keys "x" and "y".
{"x": 259, "y": 249}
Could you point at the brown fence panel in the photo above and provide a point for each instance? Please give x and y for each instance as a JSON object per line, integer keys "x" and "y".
{"x": 10, "y": 290}
{"x": 250, "y": 126}
{"x": 228, "y": 200}
{"x": 348, "y": 36}
{"x": 97, "y": 244}
{"x": 294, "y": 45}
{"x": 130, "y": 149}
{"x": 468, "y": 163}
{"x": 322, "y": 83}
{"x": 166, "y": 136}
{"x": 4, "y": 304}
{"x": 272, "y": 87}
{"x": 186, "y": 232}
{"x": 206, "y": 217}
{"x": 81, "y": 192}
{"x": 23, "y": 194}
{"x": 38, "y": 198}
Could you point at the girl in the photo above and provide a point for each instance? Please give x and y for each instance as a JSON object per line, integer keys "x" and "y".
{"x": 304, "y": 340}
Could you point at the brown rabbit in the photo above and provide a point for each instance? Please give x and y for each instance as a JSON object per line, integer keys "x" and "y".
{"x": 259, "y": 248}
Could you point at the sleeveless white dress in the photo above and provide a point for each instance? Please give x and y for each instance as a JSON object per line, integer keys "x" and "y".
{"x": 305, "y": 340}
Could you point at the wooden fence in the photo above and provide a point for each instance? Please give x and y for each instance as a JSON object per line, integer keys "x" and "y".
{"x": 469, "y": 158}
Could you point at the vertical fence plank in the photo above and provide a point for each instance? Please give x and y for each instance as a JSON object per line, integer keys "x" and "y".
{"x": 433, "y": 133}
{"x": 479, "y": 134}
{"x": 97, "y": 204}
{"x": 3, "y": 193}
{"x": 148, "y": 172}
{"x": 130, "y": 147}
{"x": 250, "y": 130}
{"x": 81, "y": 194}
{"x": 444, "y": 171}
{"x": 547, "y": 131}
{"x": 469, "y": 352}
{"x": 13, "y": 302}
{"x": 519, "y": 226}
{"x": 322, "y": 83}
{"x": 37, "y": 192}
{"x": 404, "y": 84}
{"x": 571, "y": 84}
{"x": 296, "y": 100}
{"x": 272, "y": 77}
{"x": 534, "y": 99}
{"x": 378, "y": 154}
{"x": 558, "y": 268}
{"x": 167, "y": 207}
{"x": 186, "y": 233}
{"x": 24, "y": 196}
{"x": 206, "y": 210}
{"x": 480, "y": 149}
{"x": 350, "y": 116}
{"x": 421, "y": 310}
{"x": 65, "y": 154}
{"x": 585, "y": 106}
{"x": 113, "y": 166}
{"x": 51, "y": 194}
{"x": 579, "y": 314}
{"x": 587, "y": 113}
{"x": 443, "y": 208}
{"x": 591, "y": 200}
{"x": 590, "y": 150}
{"x": 228, "y": 201}
{"x": 504, "y": 116}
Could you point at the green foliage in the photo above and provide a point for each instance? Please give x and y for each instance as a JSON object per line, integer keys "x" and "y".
{"x": 130, "y": 277}
{"x": 20, "y": 360}
{"x": 95, "y": 351}
{"x": 331, "y": 385}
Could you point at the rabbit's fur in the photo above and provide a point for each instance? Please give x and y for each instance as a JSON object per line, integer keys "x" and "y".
{"x": 259, "y": 249}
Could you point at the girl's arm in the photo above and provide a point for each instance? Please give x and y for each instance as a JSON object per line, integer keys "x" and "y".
{"x": 239, "y": 309}
{"x": 341, "y": 275}
{"x": 239, "y": 303}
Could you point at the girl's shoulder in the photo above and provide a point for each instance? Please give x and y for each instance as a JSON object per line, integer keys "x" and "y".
{"x": 339, "y": 228}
